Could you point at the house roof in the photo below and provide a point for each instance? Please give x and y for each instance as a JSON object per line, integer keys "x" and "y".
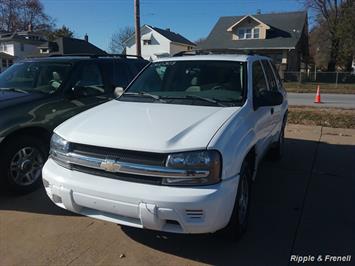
{"x": 243, "y": 18}
{"x": 67, "y": 46}
{"x": 284, "y": 33}
{"x": 22, "y": 37}
{"x": 172, "y": 36}
{"x": 6, "y": 56}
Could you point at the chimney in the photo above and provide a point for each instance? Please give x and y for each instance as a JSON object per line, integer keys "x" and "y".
{"x": 86, "y": 37}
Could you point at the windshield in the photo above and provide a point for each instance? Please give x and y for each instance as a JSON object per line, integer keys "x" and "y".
{"x": 45, "y": 77}
{"x": 202, "y": 82}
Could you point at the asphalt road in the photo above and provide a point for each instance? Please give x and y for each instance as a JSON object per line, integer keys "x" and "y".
{"x": 301, "y": 205}
{"x": 328, "y": 100}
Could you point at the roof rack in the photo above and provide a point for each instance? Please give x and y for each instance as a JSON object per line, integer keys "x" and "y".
{"x": 98, "y": 55}
{"x": 214, "y": 51}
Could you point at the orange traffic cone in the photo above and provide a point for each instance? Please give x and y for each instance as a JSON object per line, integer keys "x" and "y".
{"x": 317, "y": 98}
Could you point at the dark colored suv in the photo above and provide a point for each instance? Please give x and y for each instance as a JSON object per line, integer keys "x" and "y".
{"x": 36, "y": 95}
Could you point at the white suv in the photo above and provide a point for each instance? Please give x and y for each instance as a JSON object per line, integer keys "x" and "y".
{"x": 177, "y": 151}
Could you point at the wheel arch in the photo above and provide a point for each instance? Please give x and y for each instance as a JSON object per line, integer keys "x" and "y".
{"x": 37, "y": 132}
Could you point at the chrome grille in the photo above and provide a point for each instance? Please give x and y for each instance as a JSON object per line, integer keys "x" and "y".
{"x": 137, "y": 157}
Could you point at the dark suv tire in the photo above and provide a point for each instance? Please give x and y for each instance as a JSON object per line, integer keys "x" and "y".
{"x": 22, "y": 159}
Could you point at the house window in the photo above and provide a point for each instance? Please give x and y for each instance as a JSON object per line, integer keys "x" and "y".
{"x": 10, "y": 62}
{"x": 147, "y": 42}
{"x": 44, "y": 51}
{"x": 256, "y": 33}
{"x": 4, "y": 63}
{"x": 22, "y": 47}
{"x": 248, "y": 33}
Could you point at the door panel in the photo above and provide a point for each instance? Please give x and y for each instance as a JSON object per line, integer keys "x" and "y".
{"x": 263, "y": 116}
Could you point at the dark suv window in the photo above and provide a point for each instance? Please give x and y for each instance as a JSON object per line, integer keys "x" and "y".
{"x": 90, "y": 80}
{"x": 259, "y": 82}
{"x": 45, "y": 77}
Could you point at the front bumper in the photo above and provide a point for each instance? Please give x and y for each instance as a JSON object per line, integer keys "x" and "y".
{"x": 201, "y": 209}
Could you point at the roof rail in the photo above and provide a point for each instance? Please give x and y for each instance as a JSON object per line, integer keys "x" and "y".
{"x": 214, "y": 51}
{"x": 98, "y": 55}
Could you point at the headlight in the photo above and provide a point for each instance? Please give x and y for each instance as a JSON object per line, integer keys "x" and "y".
{"x": 59, "y": 149}
{"x": 209, "y": 160}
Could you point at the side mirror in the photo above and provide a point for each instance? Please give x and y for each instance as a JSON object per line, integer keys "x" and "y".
{"x": 269, "y": 98}
{"x": 118, "y": 91}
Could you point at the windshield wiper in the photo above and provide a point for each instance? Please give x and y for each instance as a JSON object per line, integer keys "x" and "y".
{"x": 13, "y": 89}
{"x": 146, "y": 94}
{"x": 213, "y": 101}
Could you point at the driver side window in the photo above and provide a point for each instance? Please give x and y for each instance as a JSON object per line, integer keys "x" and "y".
{"x": 90, "y": 81}
{"x": 259, "y": 81}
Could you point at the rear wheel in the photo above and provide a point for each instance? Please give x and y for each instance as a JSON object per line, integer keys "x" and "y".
{"x": 22, "y": 162}
{"x": 239, "y": 219}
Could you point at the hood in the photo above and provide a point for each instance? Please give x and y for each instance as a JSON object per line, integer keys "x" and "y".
{"x": 152, "y": 127}
{"x": 11, "y": 98}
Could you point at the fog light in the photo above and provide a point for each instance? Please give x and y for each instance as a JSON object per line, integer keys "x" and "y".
{"x": 56, "y": 199}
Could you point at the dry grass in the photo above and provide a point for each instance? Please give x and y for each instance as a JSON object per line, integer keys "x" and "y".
{"x": 329, "y": 117}
{"x": 325, "y": 88}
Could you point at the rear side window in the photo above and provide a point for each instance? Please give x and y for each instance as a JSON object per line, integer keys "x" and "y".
{"x": 277, "y": 76}
{"x": 259, "y": 82}
{"x": 125, "y": 70}
{"x": 273, "y": 86}
{"x": 122, "y": 74}
{"x": 136, "y": 65}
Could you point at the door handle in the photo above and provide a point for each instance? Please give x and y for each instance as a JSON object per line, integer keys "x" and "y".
{"x": 272, "y": 110}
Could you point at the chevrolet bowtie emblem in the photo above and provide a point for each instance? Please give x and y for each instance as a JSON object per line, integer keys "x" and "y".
{"x": 110, "y": 165}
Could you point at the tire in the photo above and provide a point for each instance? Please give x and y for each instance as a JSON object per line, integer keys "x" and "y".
{"x": 21, "y": 164}
{"x": 238, "y": 222}
{"x": 276, "y": 151}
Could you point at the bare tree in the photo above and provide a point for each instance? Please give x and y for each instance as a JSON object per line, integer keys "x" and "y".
{"x": 331, "y": 13}
{"x": 18, "y": 15}
{"x": 117, "y": 44}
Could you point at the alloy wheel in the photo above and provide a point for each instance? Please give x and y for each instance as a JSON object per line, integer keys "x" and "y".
{"x": 26, "y": 166}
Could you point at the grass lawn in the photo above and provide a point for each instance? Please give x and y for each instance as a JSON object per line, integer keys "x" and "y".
{"x": 324, "y": 88}
{"x": 329, "y": 117}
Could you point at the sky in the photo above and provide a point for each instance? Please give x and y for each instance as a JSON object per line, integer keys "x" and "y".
{"x": 193, "y": 19}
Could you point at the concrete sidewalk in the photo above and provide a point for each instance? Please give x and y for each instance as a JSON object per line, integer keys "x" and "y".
{"x": 302, "y": 205}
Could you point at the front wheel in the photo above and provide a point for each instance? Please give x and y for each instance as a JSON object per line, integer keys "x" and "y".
{"x": 22, "y": 162}
{"x": 239, "y": 219}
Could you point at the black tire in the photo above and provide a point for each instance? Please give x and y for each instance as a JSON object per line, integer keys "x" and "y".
{"x": 22, "y": 159}
{"x": 276, "y": 151}
{"x": 238, "y": 222}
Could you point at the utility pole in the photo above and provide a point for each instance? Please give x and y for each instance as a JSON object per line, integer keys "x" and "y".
{"x": 138, "y": 27}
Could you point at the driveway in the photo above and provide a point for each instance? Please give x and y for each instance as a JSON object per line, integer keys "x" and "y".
{"x": 302, "y": 205}
{"x": 328, "y": 100}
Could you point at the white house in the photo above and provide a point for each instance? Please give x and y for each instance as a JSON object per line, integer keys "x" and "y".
{"x": 18, "y": 45}
{"x": 157, "y": 43}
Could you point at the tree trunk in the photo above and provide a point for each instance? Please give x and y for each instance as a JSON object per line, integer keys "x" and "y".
{"x": 334, "y": 51}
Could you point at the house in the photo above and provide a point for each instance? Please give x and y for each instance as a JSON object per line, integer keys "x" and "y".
{"x": 16, "y": 46}
{"x": 67, "y": 46}
{"x": 19, "y": 45}
{"x": 157, "y": 43}
{"x": 281, "y": 36}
